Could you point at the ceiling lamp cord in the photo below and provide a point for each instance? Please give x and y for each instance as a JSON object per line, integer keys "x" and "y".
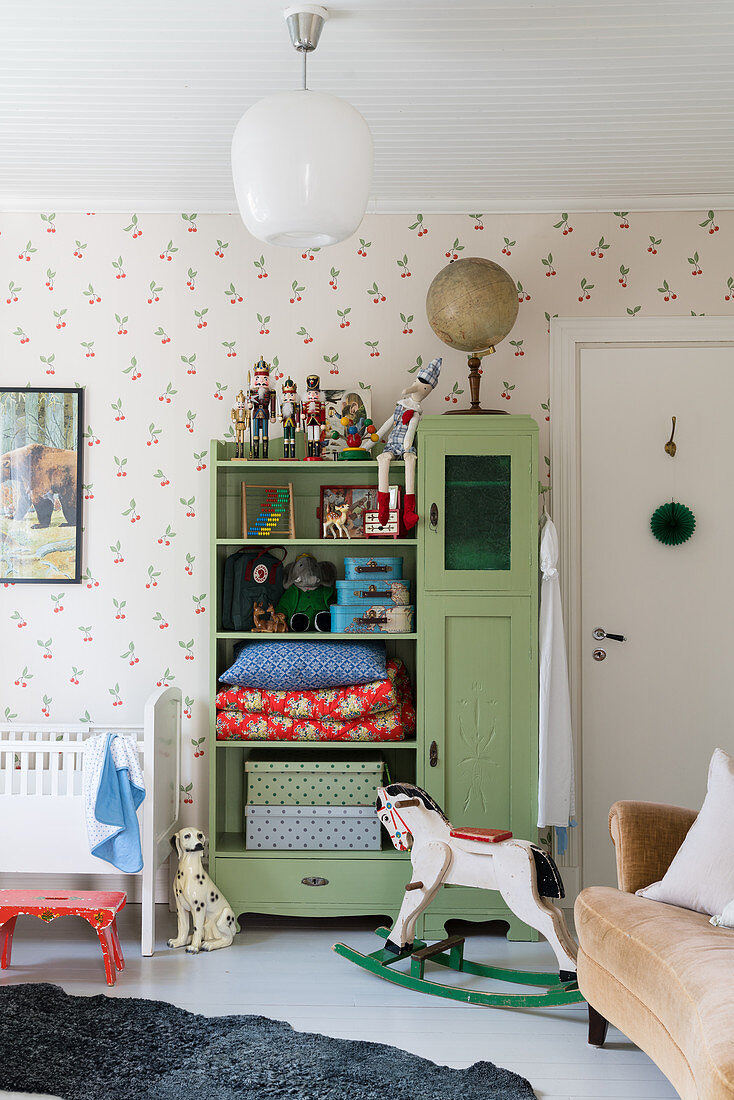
{"x": 305, "y": 60}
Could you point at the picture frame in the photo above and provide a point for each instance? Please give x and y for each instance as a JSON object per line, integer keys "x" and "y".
{"x": 356, "y": 402}
{"x": 41, "y": 471}
{"x": 358, "y": 499}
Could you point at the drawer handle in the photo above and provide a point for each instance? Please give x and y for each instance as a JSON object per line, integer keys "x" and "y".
{"x": 433, "y": 755}
{"x": 314, "y": 880}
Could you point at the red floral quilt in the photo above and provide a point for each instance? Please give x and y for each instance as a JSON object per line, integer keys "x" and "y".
{"x": 394, "y": 724}
{"x": 343, "y": 703}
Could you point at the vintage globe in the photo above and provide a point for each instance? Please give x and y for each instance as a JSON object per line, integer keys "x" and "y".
{"x": 472, "y": 304}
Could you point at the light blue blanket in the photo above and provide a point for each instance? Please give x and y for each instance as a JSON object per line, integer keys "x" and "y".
{"x": 113, "y": 790}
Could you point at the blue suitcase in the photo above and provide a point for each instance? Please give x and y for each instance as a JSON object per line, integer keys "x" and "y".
{"x": 373, "y": 569}
{"x": 373, "y": 591}
{"x": 374, "y": 618}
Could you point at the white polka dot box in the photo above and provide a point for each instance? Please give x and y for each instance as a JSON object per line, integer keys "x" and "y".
{"x": 310, "y": 828}
{"x": 308, "y": 803}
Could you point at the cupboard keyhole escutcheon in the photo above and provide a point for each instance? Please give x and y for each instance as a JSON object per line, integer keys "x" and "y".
{"x": 314, "y": 880}
{"x": 433, "y": 516}
{"x": 599, "y": 654}
{"x": 433, "y": 755}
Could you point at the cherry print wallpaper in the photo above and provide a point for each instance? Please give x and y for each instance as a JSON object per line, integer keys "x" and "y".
{"x": 160, "y": 317}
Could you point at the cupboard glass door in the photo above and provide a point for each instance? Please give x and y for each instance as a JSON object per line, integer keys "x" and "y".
{"x": 477, "y": 534}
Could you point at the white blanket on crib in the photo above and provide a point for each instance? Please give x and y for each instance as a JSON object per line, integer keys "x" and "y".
{"x": 113, "y": 789}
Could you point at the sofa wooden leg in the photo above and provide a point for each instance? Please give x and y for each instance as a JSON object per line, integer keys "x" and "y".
{"x": 597, "y": 1028}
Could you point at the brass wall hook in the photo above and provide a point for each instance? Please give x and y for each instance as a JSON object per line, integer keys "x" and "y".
{"x": 670, "y": 447}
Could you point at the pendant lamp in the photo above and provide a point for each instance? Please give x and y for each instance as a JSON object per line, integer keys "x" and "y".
{"x": 302, "y": 160}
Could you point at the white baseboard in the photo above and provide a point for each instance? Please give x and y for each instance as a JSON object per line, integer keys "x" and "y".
{"x": 131, "y": 884}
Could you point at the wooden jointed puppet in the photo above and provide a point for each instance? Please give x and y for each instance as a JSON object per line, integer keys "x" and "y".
{"x": 399, "y": 435}
{"x": 525, "y": 875}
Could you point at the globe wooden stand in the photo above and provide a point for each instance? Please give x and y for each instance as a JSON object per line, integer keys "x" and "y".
{"x": 475, "y": 378}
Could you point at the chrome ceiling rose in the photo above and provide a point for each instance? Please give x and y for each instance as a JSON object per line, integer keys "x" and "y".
{"x": 305, "y": 23}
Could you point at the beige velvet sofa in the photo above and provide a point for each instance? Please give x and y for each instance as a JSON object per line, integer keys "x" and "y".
{"x": 663, "y": 975}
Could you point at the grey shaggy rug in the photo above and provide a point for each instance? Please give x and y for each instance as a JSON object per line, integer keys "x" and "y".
{"x": 119, "y": 1048}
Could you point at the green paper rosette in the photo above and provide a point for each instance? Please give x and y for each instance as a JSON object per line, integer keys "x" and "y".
{"x": 672, "y": 523}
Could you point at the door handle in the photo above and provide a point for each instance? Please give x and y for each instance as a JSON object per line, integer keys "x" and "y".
{"x": 599, "y": 634}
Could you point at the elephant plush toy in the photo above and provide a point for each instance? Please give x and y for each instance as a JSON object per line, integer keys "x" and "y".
{"x": 309, "y": 590}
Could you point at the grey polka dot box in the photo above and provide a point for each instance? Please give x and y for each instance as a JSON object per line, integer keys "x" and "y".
{"x": 272, "y": 781}
{"x": 334, "y": 828}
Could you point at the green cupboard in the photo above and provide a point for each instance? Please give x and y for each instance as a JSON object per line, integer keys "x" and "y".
{"x": 478, "y": 634}
{"x": 472, "y": 658}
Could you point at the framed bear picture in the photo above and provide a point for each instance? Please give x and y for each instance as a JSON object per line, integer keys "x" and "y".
{"x": 41, "y": 448}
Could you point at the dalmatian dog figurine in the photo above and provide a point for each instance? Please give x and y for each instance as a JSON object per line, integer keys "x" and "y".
{"x": 213, "y": 920}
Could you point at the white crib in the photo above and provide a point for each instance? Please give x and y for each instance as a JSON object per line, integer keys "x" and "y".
{"x": 42, "y": 826}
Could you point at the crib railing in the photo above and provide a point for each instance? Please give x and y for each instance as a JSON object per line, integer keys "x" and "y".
{"x": 48, "y": 760}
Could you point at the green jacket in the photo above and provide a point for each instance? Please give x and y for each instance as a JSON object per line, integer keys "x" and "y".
{"x": 294, "y": 600}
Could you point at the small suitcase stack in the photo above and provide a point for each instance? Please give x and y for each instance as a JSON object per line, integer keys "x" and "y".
{"x": 312, "y": 802}
{"x": 373, "y": 598}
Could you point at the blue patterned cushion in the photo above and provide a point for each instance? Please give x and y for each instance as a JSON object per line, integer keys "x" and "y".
{"x": 305, "y": 666}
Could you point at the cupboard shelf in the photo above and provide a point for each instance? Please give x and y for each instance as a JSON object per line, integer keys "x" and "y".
{"x": 252, "y": 465}
{"x": 360, "y": 746}
{"x": 313, "y": 636}
{"x": 233, "y": 844}
{"x": 377, "y": 545}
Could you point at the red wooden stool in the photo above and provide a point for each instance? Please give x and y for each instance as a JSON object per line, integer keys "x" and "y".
{"x": 98, "y": 907}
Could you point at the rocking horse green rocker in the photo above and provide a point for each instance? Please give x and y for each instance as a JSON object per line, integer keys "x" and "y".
{"x": 489, "y": 859}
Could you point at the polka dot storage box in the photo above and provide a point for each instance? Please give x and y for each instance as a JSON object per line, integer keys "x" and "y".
{"x": 308, "y": 780}
{"x": 310, "y": 828}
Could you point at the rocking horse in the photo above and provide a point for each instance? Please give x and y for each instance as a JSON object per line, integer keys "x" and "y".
{"x": 489, "y": 859}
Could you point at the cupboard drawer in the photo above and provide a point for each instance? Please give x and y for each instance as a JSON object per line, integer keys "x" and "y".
{"x": 363, "y": 885}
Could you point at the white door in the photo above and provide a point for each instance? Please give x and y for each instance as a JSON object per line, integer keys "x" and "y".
{"x": 656, "y": 706}
{"x": 648, "y": 716}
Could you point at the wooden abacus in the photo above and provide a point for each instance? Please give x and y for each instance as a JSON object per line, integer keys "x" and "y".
{"x": 267, "y": 511}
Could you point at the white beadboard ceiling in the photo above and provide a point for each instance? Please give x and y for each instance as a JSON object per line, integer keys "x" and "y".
{"x": 475, "y": 105}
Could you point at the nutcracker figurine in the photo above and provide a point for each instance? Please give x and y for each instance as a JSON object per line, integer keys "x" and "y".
{"x": 240, "y": 419}
{"x": 314, "y": 418}
{"x": 261, "y": 402}
{"x": 290, "y": 417}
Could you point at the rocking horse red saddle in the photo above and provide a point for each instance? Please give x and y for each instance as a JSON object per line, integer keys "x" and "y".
{"x": 485, "y": 836}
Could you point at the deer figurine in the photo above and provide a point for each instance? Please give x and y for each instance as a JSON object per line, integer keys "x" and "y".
{"x": 268, "y": 621}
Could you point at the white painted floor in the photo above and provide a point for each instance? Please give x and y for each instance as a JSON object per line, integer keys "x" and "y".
{"x": 285, "y": 969}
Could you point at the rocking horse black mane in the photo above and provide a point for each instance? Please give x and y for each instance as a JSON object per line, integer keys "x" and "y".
{"x": 411, "y": 791}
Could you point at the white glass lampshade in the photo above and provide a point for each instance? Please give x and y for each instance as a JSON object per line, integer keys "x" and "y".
{"x": 302, "y": 166}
